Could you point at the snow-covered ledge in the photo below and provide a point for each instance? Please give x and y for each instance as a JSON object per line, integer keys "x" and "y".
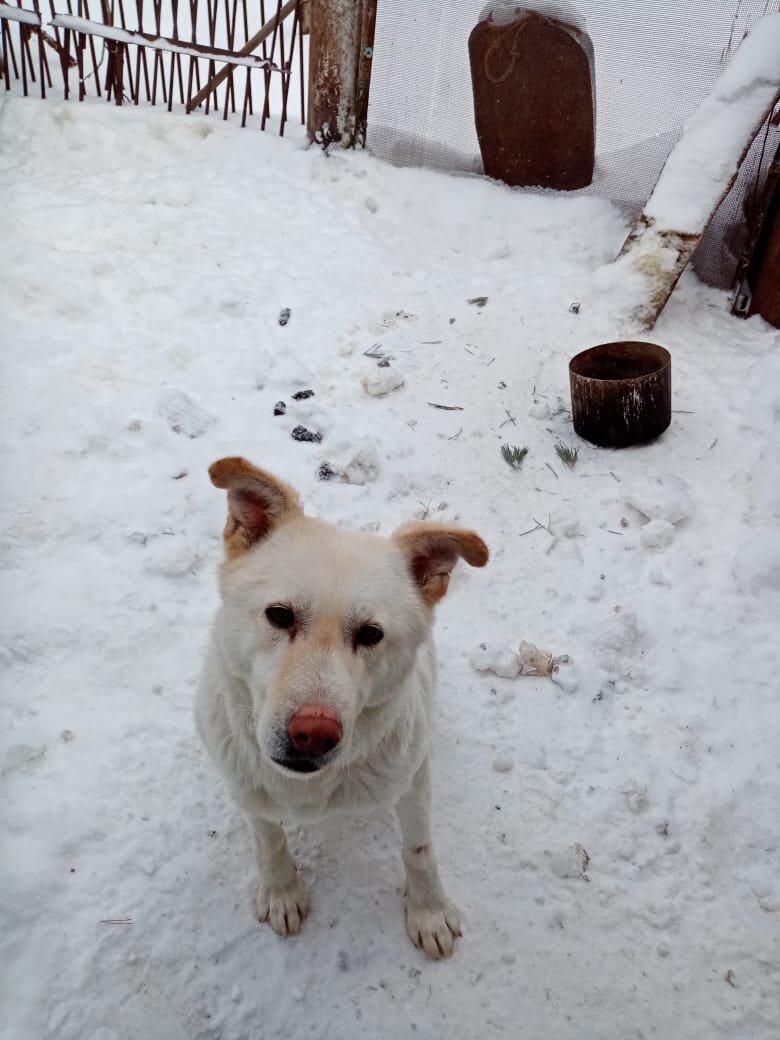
{"x": 701, "y": 169}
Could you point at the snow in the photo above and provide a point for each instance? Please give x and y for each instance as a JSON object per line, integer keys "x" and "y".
{"x": 503, "y": 764}
{"x": 158, "y": 43}
{"x": 497, "y": 658}
{"x": 571, "y": 862}
{"x": 184, "y": 415}
{"x": 147, "y": 258}
{"x": 757, "y": 564}
{"x": 362, "y": 462}
{"x": 657, "y": 534}
{"x": 381, "y": 381}
{"x": 503, "y": 12}
{"x": 715, "y": 138}
{"x": 661, "y": 496}
{"x": 19, "y": 14}
{"x": 697, "y": 176}
{"x": 764, "y": 388}
{"x": 564, "y": 674}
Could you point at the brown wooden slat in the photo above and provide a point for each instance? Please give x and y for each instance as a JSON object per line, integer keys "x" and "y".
{"x": 41, "y": 57}
{"x": 6, "y": 37}
{"x": 251, "y": 45}
{"x": 93, "y": 55}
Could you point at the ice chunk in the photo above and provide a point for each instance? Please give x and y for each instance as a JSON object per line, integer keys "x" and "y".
{"x": 184, "y": 415}
{"x": 564, "y": 674}
{"x": 763, "y": 390}
{"x": 571, "y": 862}
{"x": 666, "y": 497}
{"x": 658, "y": 576}
{"x": 363, "y": 467}
{"x": 495, "y": 657}
{"x": 595, "y": 592}
{"x": 19, "y": 755}
{"x": 764, "y": 480}
{"x": 757, "y": 563}
{"x": 657, "y": 534}
{"x": 539, "y": 410}
{"x": 382, "y": 381}
{"x": 565, "y": 522}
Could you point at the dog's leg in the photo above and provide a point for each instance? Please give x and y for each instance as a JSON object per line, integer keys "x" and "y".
{"x": 431, "y": 919}
{"x": 281, "y": 896}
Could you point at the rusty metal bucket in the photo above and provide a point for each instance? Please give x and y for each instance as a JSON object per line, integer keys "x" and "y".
{"x": 621, "y": 393}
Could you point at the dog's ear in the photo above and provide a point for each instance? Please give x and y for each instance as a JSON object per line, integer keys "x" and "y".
{"x": 257, "y": 503}
{"x": 433, "y": 550}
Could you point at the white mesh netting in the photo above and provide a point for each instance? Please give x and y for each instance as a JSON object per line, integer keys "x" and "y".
{"x": 655, "y": 62}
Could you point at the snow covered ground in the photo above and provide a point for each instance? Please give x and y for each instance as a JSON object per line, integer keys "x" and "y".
{"x": 145, "y": 260}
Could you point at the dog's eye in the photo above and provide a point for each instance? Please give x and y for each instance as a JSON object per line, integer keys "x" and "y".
{"x": 280, "y": 617}
{"x": 368, "y": 635}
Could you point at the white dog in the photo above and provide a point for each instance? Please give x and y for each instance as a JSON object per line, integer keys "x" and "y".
{"x": 318, "y": 685}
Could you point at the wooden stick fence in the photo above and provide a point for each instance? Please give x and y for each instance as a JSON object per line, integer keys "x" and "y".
{"x": 193, "y": 53}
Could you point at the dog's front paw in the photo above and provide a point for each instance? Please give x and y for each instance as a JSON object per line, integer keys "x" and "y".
{"x": 434, "y": 929}
{"x": 283, "y": 908}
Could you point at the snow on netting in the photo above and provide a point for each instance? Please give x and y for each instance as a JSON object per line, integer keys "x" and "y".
{"x": 655, "y": 63}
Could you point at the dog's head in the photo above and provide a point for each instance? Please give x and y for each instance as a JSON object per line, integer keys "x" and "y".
{"x": 323, "y": 625}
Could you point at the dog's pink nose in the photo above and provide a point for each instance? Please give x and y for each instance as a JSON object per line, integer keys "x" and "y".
{"x": 314, "y": 730}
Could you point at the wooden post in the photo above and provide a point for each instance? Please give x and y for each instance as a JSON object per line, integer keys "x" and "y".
{"x": 341, "y": 46}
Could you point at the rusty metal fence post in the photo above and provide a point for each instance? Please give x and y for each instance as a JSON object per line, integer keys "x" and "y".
{"x": 341, "y": 46}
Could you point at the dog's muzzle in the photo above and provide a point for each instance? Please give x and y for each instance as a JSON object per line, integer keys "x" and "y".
{"x": 299, "y": 764}
{"x": 313, "y": 733}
